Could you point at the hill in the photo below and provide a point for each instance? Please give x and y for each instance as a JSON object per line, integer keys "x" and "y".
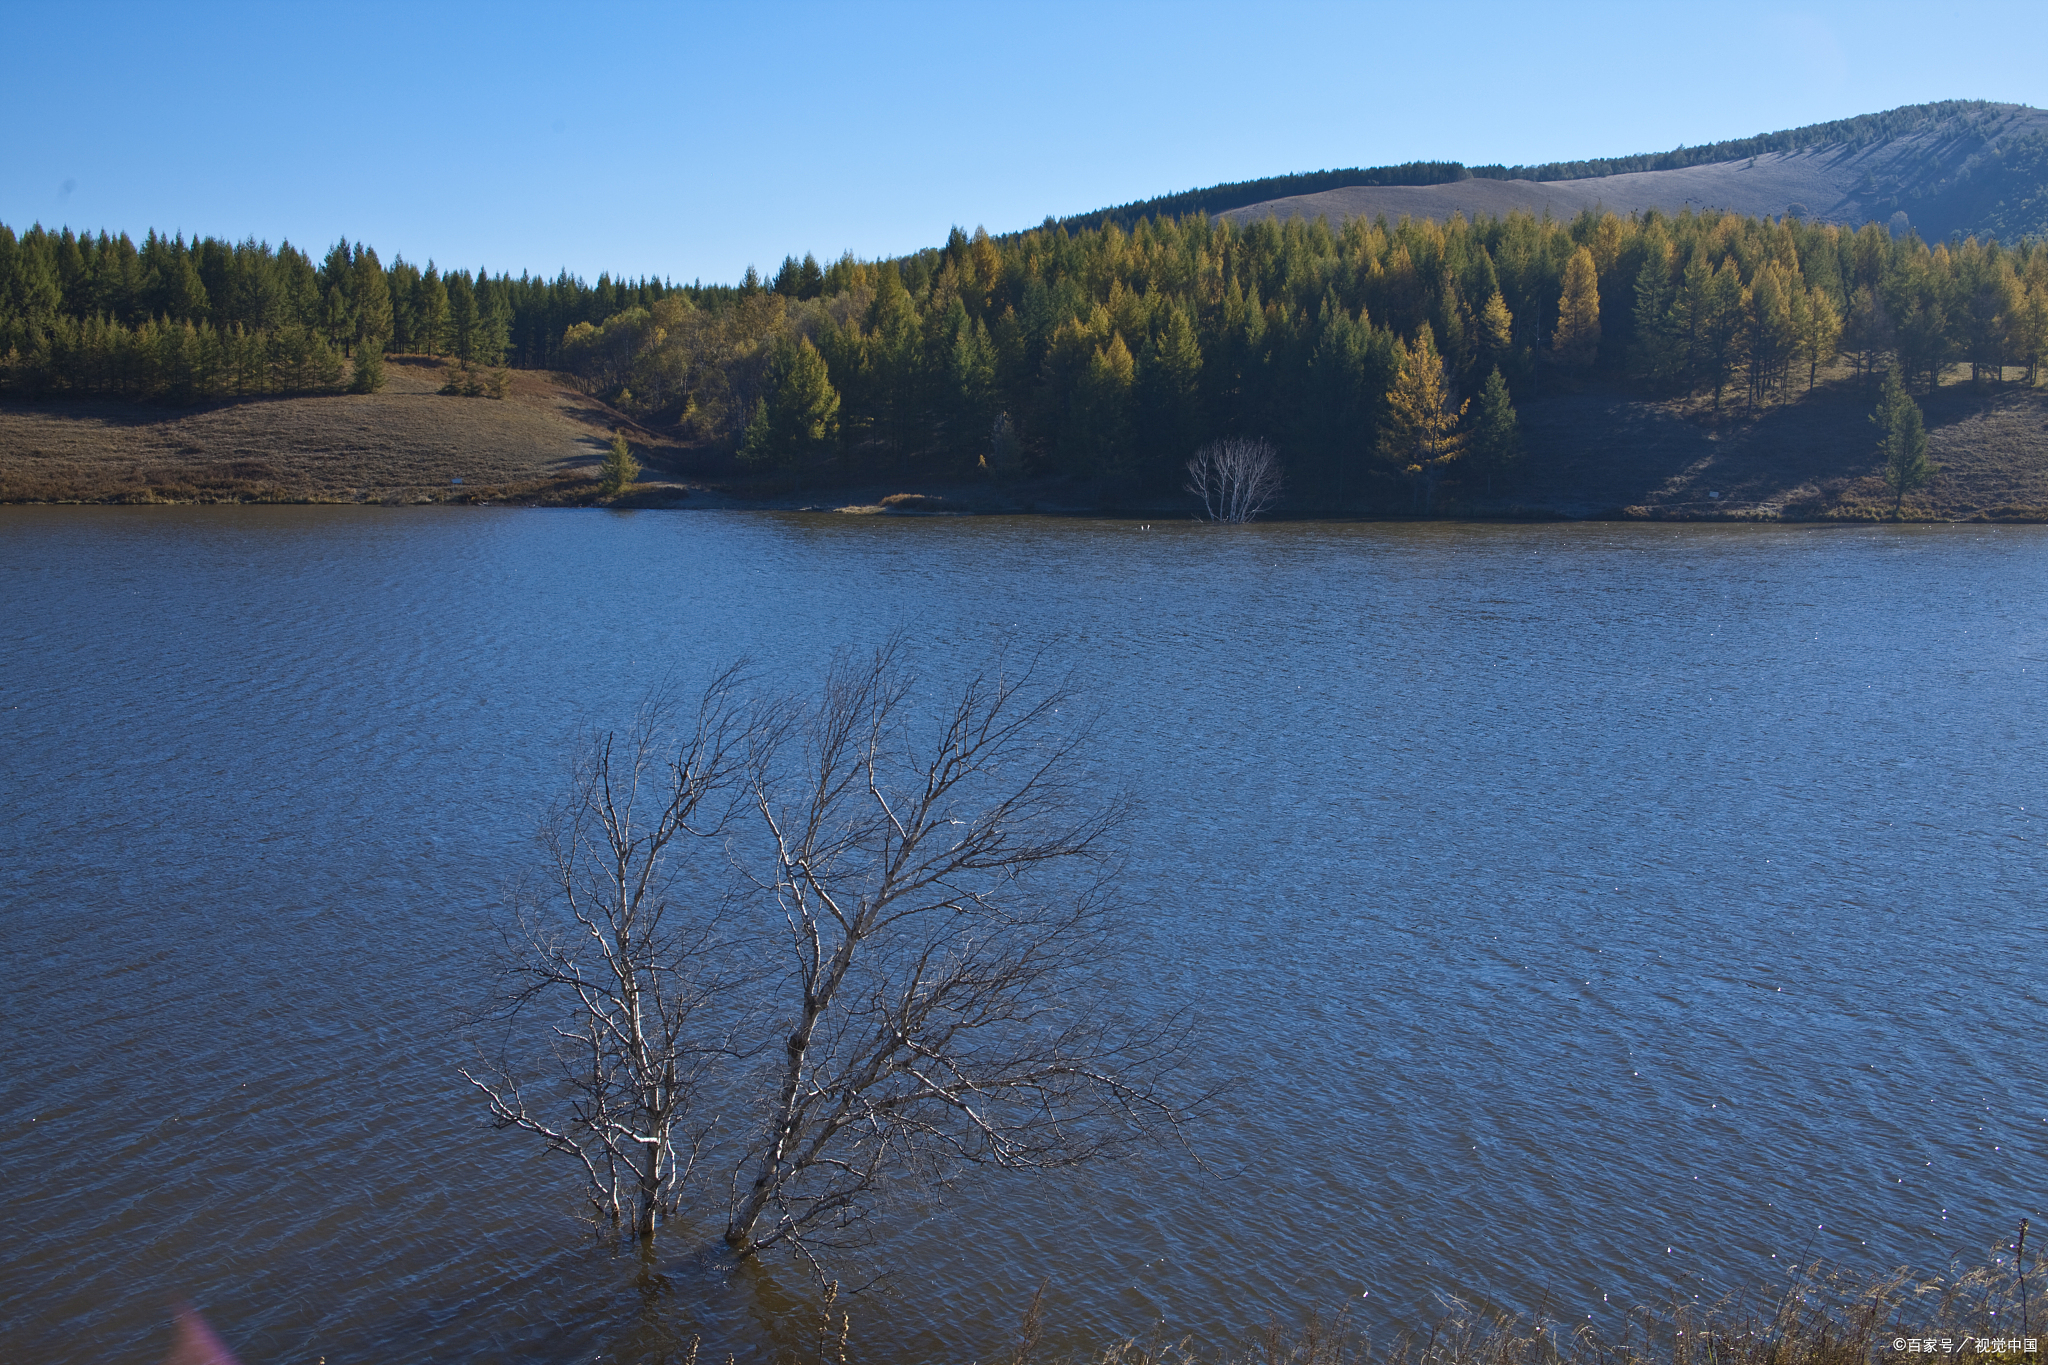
{"x": 1958, "y": 167}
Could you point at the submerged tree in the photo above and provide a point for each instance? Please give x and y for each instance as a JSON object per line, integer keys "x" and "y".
{"x": 871, "y": 944}
{"x": 1901, "y": 440}
{"x": 941, "y": 905}
{"x": 612, "y": 964}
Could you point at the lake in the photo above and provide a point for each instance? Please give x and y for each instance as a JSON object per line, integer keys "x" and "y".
{"x": 1585, "y": 915}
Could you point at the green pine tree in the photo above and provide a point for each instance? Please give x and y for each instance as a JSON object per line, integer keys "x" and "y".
{"x": 369, "y": 366}
{"x": 800, "y": 412}
{"x": 619, "y": 469}
{"x": 1901, "y": 440}
{"x": 1496, "y": 434}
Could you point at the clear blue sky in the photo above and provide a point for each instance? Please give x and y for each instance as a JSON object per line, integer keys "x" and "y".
{"x": 691, "y": 140}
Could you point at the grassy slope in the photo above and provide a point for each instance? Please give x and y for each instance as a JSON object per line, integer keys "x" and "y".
{"x": 1600, "y": 453}
{"x": 1920, "y": 173}
{"x": 406, "y": 443}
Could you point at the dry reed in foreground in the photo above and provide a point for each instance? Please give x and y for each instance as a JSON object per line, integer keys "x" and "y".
{"x": 1990, "y": 1312}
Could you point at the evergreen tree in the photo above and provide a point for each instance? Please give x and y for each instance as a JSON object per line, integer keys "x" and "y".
{"x": 619, "y": 469}
{"x": 369, "y": 366}
{"x": 1496, "y": 329}
{"x": 810, "y": 280}
{"x": 800, "y": 412}
{"x": 462, "y": 316}
{"x": 1576, "y": 343}
{"x": 1821, "y": 333}
{"x": 1901, "y": 440}
{"x": 1495, "y": 441}
{"x": 1104, "y": 407}
{"x": 1650, "y": 359}
{"x": 1421, "y": 432}
{"x": 433, "y": 312}
{"x": 494, "y": 322}
{"x": 373, "y": 301}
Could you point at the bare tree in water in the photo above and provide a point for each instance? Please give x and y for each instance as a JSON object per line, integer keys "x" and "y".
{"x": 945, "y": 894}
{"x": 902, "y": 979}
{"x": 1236, "y": 478}
{"x": 617, "y": 962}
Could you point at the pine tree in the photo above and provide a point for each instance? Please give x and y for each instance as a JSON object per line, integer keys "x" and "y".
{"x": 810, "y": 280}
{"x": 1720, "y": 329}
{"x": 1496, "y": 329}
{"x": 800, "y": 412}
{"x": 1901, "y": 440}
{"x": 369, "y": 366}
{"x": 433, "y": 312}
{"x": 1576, "y": 343}
{"x": 1421, "y": 430}
{"x": 493, "y": 322}
{"x": 619, "y": 469}
{"x": 462, "y": 316}
{"x": 1169, "y": 398}
{"x": 373, "y": 301}
{"x": 1495, "y": 441}
{"x": 1104, "y": 408}
{"x": 1821, "y": 335}
{"x": 1650, "y": 357}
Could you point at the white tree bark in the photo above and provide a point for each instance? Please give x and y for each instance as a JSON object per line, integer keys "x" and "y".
{"x": 1236, "y": 479}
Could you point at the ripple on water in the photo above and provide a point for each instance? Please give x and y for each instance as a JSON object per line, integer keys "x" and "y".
{"x": 1550, "y": 896}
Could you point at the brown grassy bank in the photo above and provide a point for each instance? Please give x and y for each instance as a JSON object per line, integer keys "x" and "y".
{"x": 1599, "y": 453}
{"x": 406, "y": 443}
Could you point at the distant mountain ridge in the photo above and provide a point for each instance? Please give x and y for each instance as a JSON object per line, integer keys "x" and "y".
{"x": 1957, "y": 167}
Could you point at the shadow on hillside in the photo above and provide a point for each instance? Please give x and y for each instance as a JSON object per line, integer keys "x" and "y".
{"x": 1593, "y": 452}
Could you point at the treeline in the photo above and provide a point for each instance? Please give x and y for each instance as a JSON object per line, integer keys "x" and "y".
{"x": 180, "y": 321}
{"x": 1365, "y": 353}
{"x": 1108, "y": 353}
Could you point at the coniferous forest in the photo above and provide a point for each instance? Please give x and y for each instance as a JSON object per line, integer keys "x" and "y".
{"x": 1366, "y": 353}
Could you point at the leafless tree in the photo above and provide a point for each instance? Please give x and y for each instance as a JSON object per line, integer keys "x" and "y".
{"x": 1236, "y": 478}
{"x": 870, "y": 938}
{"x": 615, "y": 961}
{"x": 942, "y": 906}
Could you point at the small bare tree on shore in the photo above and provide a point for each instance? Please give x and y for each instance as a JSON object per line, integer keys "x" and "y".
{"x": 874, "y": 946}
{"x": 1236, "y": 478}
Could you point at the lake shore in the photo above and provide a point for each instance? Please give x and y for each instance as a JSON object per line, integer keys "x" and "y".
{"x": 1591, "y": 454}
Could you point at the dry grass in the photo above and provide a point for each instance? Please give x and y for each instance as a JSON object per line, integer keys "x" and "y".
{"x": 1599, "y": 453}
{"x": 408, "y": 443}
{"x": 1837, "y": 184}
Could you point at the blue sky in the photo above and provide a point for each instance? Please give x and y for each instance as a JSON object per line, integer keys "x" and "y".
{"x": 691, "y": 140}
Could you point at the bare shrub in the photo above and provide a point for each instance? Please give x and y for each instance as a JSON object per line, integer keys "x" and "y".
{"x": 1236, "y": 478}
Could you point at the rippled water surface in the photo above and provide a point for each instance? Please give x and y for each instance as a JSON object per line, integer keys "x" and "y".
{"x": 1579, "y": 910}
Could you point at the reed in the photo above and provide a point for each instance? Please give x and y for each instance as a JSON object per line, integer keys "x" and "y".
{"x": 1976, "y": 1314}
